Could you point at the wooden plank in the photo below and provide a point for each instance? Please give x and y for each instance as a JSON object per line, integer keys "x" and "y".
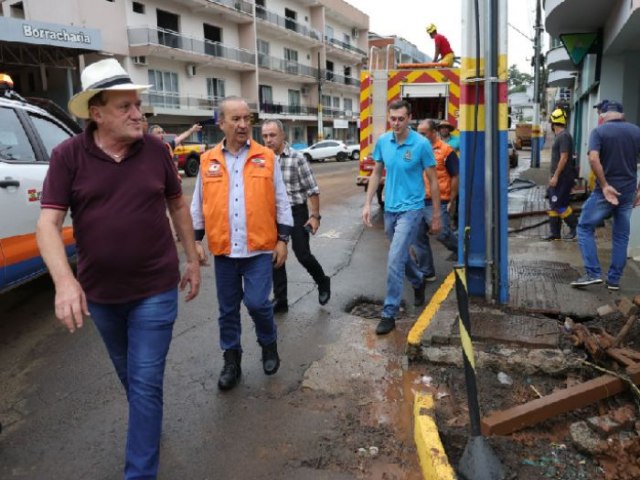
{"x": 620, "y": 356}
{"x": 538, "y": 410}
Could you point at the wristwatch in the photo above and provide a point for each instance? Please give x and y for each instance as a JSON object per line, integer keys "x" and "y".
{"x": 318, "y": 217}
{"x": 283, "y": 238}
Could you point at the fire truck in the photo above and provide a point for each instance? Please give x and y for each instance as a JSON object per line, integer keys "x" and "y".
{"x": 432, "y": 91}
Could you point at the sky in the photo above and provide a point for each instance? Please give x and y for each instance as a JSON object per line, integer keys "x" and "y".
{"x": 409, "y": 18}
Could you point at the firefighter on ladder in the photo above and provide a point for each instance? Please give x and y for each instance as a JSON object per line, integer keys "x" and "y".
{"x": 444, "y": 53}
{"x": 563, "y": 176}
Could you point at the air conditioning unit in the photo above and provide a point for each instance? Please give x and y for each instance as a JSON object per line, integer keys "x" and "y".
{"x": 191, "y": 70}
{"x": 304, "y": 91}
{"x": 355, "y": 32}
{"x": 141, "y": 60}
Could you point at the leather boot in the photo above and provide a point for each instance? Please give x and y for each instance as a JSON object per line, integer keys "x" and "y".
{"x": 572, "y": 223}
{"x": 554, "y": 226}
{"x": 231, "y": 371}
{"x": 270, "y": 358}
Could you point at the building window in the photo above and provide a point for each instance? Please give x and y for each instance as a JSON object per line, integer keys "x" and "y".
{"x": 261, "y": 9}
{"x": 347, "y": 75}
{"x": 347, "y": 39}
{"x": 212, "y": 40}
{"x": 215, "y": 89}
{"x": 326, "y": 101}
{"x": 266, "y": 95}
{"x": 294, "y": 102}
{"x": 17, "y": 10}
{"x": 336, "y": 103}
{"x": 330, "y": 67}
{"x": 138, "y": 7}
{"x": 164, "y": 89}
{"x": 290, "y": 18}
{"x": 348, "y": 106}
{"x": 263, "y": 53}
{"x": 291, "y": 59}
{"x": 168, "y": 28}
{"x": 328, "y": 31}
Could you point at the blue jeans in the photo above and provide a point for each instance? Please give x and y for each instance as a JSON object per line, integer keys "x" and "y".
{"x": 422, "y": 246}
{"x": 594, "y": 211}
{"x": 256, "y": 274}
{"x": 137, "y": 335}
{"x": 400, "y": 228}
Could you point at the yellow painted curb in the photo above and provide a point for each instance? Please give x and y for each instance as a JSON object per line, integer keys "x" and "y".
{"x": 415, "y": 335}
{"x": 433, "y": 459}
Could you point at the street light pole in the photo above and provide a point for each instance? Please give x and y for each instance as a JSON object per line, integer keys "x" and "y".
{"x": 536, "y": 132}
{"x": 320, "y": 123}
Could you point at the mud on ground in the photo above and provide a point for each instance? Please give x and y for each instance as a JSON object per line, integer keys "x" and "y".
{"x": 547, "y": 449}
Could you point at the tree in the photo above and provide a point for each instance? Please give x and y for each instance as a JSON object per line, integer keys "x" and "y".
{"x": 518, "y": 81}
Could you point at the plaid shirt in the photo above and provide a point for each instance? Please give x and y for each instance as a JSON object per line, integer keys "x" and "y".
{"x": 297, "y": 175}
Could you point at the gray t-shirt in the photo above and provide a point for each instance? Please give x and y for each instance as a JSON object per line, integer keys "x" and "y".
{"x": 562, "y": 144}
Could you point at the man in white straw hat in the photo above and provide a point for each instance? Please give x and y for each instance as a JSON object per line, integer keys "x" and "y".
{"x": 117, "y": 182}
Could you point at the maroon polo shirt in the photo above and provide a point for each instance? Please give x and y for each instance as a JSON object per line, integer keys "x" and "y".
{"x": 124, "y": 241}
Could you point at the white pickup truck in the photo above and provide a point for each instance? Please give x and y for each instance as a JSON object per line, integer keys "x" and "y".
{"x": 28, "y": 134}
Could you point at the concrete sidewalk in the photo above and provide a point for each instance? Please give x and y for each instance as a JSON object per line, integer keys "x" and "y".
{"x": 539, "y": 276}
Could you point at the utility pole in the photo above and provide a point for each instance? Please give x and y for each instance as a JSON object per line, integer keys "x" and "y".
{"x": 536, "y": 132}
{"x": 320, "y": 124}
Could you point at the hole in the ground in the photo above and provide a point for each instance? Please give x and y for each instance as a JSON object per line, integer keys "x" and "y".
{"x": 367, "y": 307}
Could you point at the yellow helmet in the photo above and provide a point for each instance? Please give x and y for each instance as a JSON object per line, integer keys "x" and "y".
{"x": 431, "y": 28}
{"x": 558, "y": 117}
{"x": 6, "y": 80}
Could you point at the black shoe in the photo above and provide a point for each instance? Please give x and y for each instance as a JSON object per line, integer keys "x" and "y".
{"x": 324, "y": 291}
{"x": 231, "y": 371}
{"x": 418, "y": 294}
{"x": 570, "y": 236}
{"x": 386, "y": 325}
{"x": 270, "y": 358}
{"x": 279, "y": 306}
{"x": 551, "y": 237}
{"x": 614, "y": 287}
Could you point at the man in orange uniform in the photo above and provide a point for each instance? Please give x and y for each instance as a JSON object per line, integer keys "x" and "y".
{"x": 447, "y": 168}
{"x": 444, "y": 53}
{"x": 240, "y": 200}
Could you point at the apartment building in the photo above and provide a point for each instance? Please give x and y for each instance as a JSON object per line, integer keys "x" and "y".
{"x": 295, "y": 60}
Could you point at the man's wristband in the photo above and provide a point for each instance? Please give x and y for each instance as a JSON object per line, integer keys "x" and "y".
{"x": 317, "y": 217}
{"x": 283, "y": 238}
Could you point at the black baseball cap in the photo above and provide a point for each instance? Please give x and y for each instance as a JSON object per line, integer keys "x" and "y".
{"x": 609, "y": 106}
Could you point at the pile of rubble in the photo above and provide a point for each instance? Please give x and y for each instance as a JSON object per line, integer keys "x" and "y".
{"x": 613, "y": 436}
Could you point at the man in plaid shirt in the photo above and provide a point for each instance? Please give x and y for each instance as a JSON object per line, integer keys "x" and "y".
{"x": 301, "y": 186}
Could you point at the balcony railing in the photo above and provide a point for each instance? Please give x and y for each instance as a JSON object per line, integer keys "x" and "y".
{"x": 287, "y": 109}
{"x": 175, "y": 100}
{"x": 341, "y": 79}
{"x": 239, "y": 5}
{"x": 288, "y": 23}
{"x": 286, "y": 66}
{"x": 168, "y": 38}
{"x": 344, "y": 45}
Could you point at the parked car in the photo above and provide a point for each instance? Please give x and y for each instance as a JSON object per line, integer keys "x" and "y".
{"x": 29, "y": 131}
{"x": 320, "y": 151}
{"x": 354, "y": 151}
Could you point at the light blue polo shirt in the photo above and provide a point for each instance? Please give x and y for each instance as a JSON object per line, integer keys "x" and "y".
{"x": 405, "y": 163}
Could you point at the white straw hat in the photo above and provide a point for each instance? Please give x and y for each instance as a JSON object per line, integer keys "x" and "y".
{"x": 103, "y": 75}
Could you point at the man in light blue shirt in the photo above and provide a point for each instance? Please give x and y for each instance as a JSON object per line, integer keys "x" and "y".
{"x": 406, "y": 156}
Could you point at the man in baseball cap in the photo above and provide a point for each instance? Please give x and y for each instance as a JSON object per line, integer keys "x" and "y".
{"x": 609, "y": 106}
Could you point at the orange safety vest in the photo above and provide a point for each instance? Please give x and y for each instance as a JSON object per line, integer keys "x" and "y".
{"x": 259, "y": 199}
{"x": 441, "y": 150}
